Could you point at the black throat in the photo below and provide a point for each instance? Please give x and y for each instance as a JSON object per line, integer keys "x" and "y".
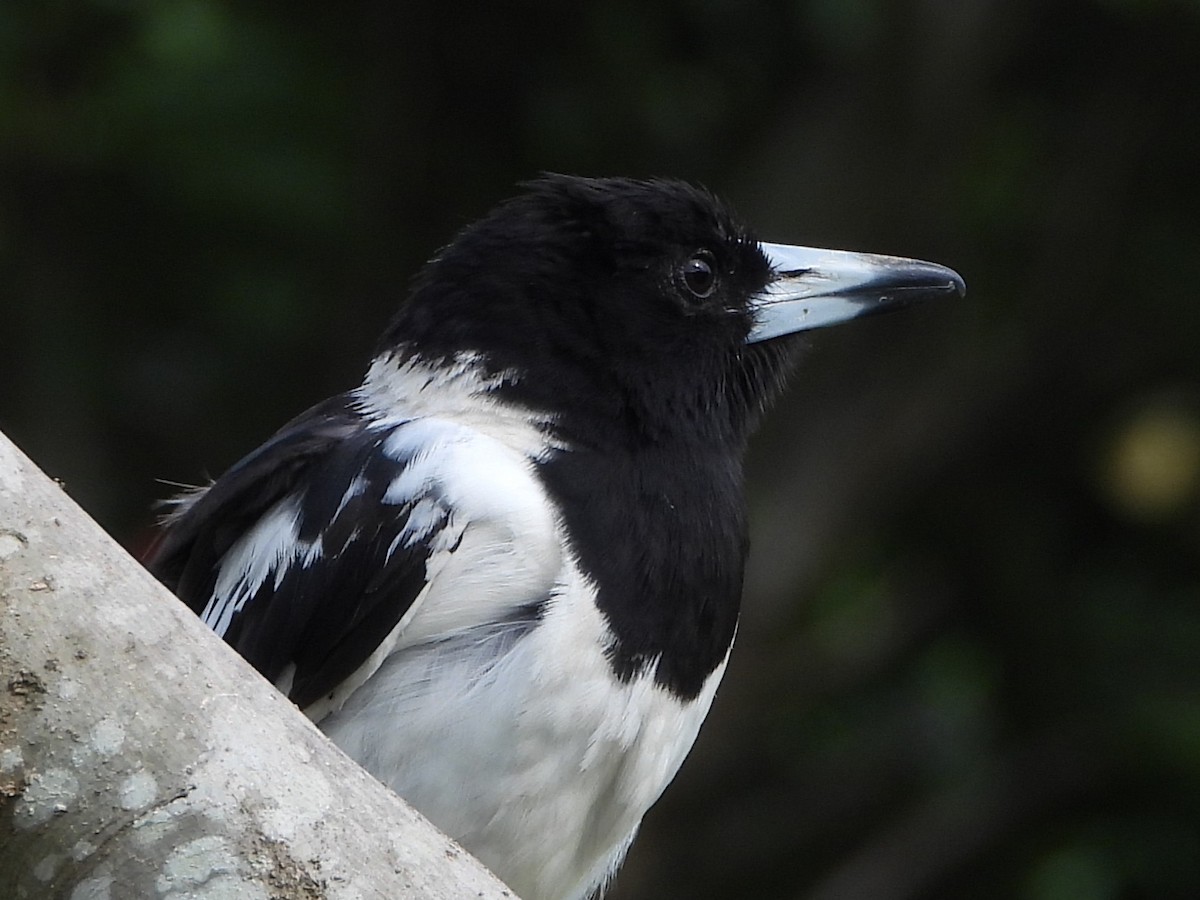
{"x": 661, "y": 531}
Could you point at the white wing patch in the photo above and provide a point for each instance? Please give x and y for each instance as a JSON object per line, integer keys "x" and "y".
{"x": 488, "y": 532}
{"x": 271, "y": 546}
{"x": 357, "y": 485}
{"x": 425, "y": 516}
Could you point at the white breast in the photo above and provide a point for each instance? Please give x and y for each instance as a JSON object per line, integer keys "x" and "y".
{"x": 536, "y": 759}
{"x": 513, "y": 736}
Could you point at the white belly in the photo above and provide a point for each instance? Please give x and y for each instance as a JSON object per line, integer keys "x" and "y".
{"x": 537, "y": 760}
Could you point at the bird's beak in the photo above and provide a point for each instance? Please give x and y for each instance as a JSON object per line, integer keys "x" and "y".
{"x": 814, "y": 288}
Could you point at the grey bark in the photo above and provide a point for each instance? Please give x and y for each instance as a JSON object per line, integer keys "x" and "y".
{"x": 141, "y": 757}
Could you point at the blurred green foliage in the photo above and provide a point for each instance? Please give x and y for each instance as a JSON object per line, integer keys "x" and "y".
{"x": 969, "y": 663}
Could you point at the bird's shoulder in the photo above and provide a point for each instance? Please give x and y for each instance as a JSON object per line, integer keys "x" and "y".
{"x": 349, "y": 535}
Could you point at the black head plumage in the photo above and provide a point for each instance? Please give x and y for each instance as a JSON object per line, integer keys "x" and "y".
{"x": 608, "y": 301}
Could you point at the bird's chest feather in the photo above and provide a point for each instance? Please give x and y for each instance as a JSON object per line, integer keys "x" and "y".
{"x": 525, "y": 747}
{"x": 662, "y": 536}
{"x": 540, "y": 738}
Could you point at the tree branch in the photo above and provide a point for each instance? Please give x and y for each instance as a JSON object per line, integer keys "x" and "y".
{"x": 140, "y": 756}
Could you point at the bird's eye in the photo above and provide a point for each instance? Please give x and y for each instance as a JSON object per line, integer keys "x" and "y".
{"x": 699, "y": 274}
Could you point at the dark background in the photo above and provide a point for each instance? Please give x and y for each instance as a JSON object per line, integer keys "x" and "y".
{"x": 969, "y": 661}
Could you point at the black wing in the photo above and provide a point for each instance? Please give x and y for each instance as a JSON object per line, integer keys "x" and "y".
{"x": 305, "y": 553}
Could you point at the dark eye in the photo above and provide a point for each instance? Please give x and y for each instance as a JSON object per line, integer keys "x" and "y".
{"x": 699, "y": 274}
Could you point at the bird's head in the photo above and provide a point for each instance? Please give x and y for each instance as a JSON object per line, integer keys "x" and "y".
{"x": 639, "y": 304}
